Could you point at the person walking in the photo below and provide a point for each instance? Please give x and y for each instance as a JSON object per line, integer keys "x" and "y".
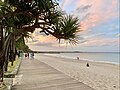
{"x": 25, "y": 55}
{"x": 28, "y": 55}
{"x": 32, "y": 55}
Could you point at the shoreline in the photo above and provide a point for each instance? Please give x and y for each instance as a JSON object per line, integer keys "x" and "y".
{"x": 82, "y": 59}
{"x": 99, "y": 76}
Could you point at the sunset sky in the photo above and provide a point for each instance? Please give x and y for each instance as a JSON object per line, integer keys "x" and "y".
{"x": 99, "y": 21}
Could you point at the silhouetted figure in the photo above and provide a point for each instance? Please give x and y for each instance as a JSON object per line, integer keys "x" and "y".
{"x": 77, "y": 58}
{"x": 87, "y": 64}
{"x": 28, "y": 55}
{"x": 25, "y": 55}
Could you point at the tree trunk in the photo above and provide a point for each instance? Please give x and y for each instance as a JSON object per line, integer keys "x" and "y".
{"x": 1, "y": 54}
{"x": 1, "y": 37}
{"x": 12, "y": 63}
{"x": 6, "y": 66}
{"x": 7, "y": 60}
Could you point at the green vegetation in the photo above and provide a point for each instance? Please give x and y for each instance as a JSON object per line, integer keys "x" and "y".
{"x": 11, "y": 68}
{"x": 20, "y": 18}
{"x": 20, "y": 45}
{"x": 8, "y": 74}
{"x": 3, "y": 86}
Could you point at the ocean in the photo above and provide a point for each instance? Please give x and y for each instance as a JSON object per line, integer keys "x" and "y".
{"x": 111, "y": 57}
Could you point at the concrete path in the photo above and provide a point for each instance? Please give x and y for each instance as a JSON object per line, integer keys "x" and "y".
{"x": 36, "y": 75}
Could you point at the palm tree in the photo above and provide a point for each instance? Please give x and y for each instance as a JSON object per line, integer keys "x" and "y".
{"x": 67, "y": 29}
{"x": 18, "y": 18}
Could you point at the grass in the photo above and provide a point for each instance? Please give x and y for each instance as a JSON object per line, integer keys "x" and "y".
{"x": 8, "y": 74}
{"x": 3, "y": 86}
{"x": 11, "y": 68}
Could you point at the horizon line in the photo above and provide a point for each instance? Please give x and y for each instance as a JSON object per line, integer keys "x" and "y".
{"x": 71, "y": 52}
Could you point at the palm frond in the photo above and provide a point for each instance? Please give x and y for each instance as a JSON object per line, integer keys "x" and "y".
{"x": 67, "y": 28}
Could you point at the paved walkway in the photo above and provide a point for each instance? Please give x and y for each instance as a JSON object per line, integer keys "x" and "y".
{"x": 36, "y": 75}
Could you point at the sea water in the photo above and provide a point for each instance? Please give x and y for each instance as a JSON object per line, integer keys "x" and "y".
{"x": 111, "y": 57}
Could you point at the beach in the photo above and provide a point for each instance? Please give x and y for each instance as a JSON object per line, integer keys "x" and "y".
{"x": 99, "y": 75}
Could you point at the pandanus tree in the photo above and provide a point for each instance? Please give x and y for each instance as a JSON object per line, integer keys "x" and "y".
{"x": 18, "y": 18}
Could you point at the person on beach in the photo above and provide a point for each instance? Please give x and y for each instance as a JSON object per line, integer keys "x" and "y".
{"x": 77, "y": 58}
{"x": 87, "y": 64}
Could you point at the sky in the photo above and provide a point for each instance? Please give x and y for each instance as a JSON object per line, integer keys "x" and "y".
{"x": 99, "y": 20}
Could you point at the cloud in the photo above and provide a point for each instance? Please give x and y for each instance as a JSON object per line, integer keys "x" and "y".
{"x": 39, "y": 39}
{"x": 93, "y": 14}
{"x": 99, "y": 11}
{"x": 42, "y": 44}
{"x": 82, "y": 9}
{"x": 99, "y": 42}
{"x": 94, "y": 35}
{"x": 114, "y": 27}
{"x": 66, "y": 3}
{"x": 42, "y": 38}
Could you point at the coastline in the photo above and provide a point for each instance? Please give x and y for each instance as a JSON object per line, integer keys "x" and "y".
{"x": 82, "y": 59}
{"x": 99, "y": 75}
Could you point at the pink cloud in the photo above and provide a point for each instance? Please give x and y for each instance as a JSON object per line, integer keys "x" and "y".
{"x": 100, "y": 11}
{"x": 100, "y": 42}
{"x": 42, "y": 38}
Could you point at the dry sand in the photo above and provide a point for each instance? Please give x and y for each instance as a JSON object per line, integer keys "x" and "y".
{"x": 100, "y": 76}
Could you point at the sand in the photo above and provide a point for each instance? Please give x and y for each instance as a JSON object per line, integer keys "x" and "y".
{"x": 100, "y": 76}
